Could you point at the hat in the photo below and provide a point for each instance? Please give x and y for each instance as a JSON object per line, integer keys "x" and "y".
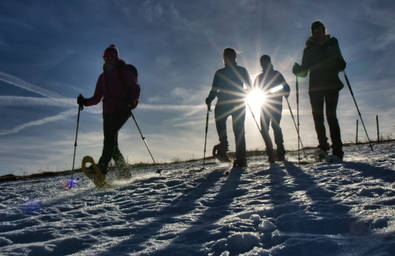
{"x": 111, "y": 51}
{"x": 317, "y": 24}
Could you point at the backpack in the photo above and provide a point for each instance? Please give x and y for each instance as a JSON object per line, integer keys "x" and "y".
{"x": 136, "y": 88}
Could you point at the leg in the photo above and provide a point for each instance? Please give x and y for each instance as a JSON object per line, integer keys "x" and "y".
{"x": 265, "y": 122}
{"x": 317, "y": 106}
{"x": 111, "y": 125}
{"x": 278, "y": 134}
{"x": 238, "y": 120}
{"x": 331, "y": 100}
{"x": 117, "y": 155}
{"x": 221, "y": 114}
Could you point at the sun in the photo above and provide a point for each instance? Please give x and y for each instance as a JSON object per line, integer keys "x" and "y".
{"x": 255, "y": 98}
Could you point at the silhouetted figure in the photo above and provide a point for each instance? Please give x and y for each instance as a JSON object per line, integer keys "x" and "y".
{"x": 322, "y": 57}
{"x": 118, "y": 89}
{"x": 274, "y": 87}
{"x": 228, "y": 86}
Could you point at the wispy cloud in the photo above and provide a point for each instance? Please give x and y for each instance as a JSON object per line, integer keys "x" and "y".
{"x": 164, "y": 107}
{"x": 61, "y": 116}
{"x": 36, "y": 101}
{"x": 18, "y": 82}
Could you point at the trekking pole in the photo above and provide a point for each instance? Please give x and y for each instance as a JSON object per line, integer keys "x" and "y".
{"x": 356, "y": 105}
{"x": 143, "y": 138}
{"x": 297, "y": 115}
{"x": 80, "y": 107}
{"x": 205, "y": 136}
{"x": 296, "y": 127}
{"x": 253, "y": 116}
{"x": 72, "y": 181}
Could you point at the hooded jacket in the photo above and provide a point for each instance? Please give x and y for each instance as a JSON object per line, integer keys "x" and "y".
{"x": 324, "y": 61}
{"x": 117, "y": 88}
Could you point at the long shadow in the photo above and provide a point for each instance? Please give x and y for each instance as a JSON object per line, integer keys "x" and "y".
{"x": 317, "y": 216}
{"x": 281, "y": 201}
{"x": 167, "y": 215}
{"x": 199, "y": 231}
{"x": 330, "y": 216}
{"x": 368, "y": 170}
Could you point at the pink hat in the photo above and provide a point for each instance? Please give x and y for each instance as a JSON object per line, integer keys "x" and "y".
{"x": 111, "y": 51}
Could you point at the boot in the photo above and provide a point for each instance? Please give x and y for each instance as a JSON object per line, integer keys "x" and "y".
{"x": 280, "y": 154}
{"x": 240, "y": 163}
{"x": 271, "y": 156}
{"x": 219, "y": 152}
{"x": 320, "y": 155}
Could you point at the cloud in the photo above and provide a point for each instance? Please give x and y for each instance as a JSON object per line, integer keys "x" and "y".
{"x": 164, "y": 107}
{"x": 13, "y": 80}
{"x": 151, "y": 11}
{"x": 60, "y": 116}
{"x": 36, "y": 101}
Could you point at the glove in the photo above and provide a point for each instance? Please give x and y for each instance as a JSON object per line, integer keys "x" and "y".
{"x": 208, "y": 103}
{"x": 81, "y": 100}
{"x": 134, "y": 104}
{"x": 298, "y": 70}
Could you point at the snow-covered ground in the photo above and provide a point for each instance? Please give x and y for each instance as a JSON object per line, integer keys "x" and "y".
{"x": 279, "y": 209}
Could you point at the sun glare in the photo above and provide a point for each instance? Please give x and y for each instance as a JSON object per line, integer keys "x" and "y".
{"x": 255, "y": 98}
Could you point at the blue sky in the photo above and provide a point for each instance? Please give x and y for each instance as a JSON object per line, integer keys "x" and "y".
{"x": 50, "y": 51}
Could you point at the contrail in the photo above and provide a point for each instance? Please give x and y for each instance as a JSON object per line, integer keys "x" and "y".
{"x": 36, "y": 101}
{"x": 60, "y": 116}
{"x": 15, "y": 81}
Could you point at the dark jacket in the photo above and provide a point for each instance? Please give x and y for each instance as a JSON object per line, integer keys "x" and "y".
{"x": 269, "y": 80}
{"x": 228, "y": 84}
{"x": 324, "y": 61}
{"x": 117, "y": 88}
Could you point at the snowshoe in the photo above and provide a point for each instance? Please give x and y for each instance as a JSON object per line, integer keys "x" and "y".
{"x": 220, "y": 153}
{"x": 93, "y": 172}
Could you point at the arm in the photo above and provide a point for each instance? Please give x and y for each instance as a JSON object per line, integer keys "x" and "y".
{"x": 247, "y": 79}
{"x": 214, "y": 90}
{"x": 98, "y": 95}
{"x": 301, "y": 70}
{"x": 336, "y": 58}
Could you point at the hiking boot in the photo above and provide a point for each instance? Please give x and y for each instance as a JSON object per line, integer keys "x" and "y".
{"x": 320, "y": 155}
{"x": 219, "y": 152}
{"x": 102, "y": 170}
{"x": 241, "y": 163}
{"x": 281, "y": 154}
{"x": 334, "y": 159}
{"x": 271, "y": 155}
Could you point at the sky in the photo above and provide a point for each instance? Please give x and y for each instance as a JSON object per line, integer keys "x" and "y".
{"x": 50, "y": 52}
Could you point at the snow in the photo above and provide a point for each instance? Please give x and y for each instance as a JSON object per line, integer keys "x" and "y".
{"x": 280, "y": 209}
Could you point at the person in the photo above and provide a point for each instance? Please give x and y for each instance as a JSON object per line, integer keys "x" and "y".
{"x": 274, "y": 87}
{"x": 118, "y": 89}
{"x": 228, "y": 87}
{"x": 323, "y": 59}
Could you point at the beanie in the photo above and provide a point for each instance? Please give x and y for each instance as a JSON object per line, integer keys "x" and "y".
{"x": 111, "y": 51}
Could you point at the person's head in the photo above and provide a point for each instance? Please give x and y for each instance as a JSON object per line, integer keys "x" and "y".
{"x": 111, "y": 54}
{"x": 318, "y": 30}
{"x": 229, "y": 55}
{"x": 265, "y": 61}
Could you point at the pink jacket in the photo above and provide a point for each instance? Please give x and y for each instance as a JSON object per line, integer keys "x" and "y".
{"x": 117, "y": 88}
